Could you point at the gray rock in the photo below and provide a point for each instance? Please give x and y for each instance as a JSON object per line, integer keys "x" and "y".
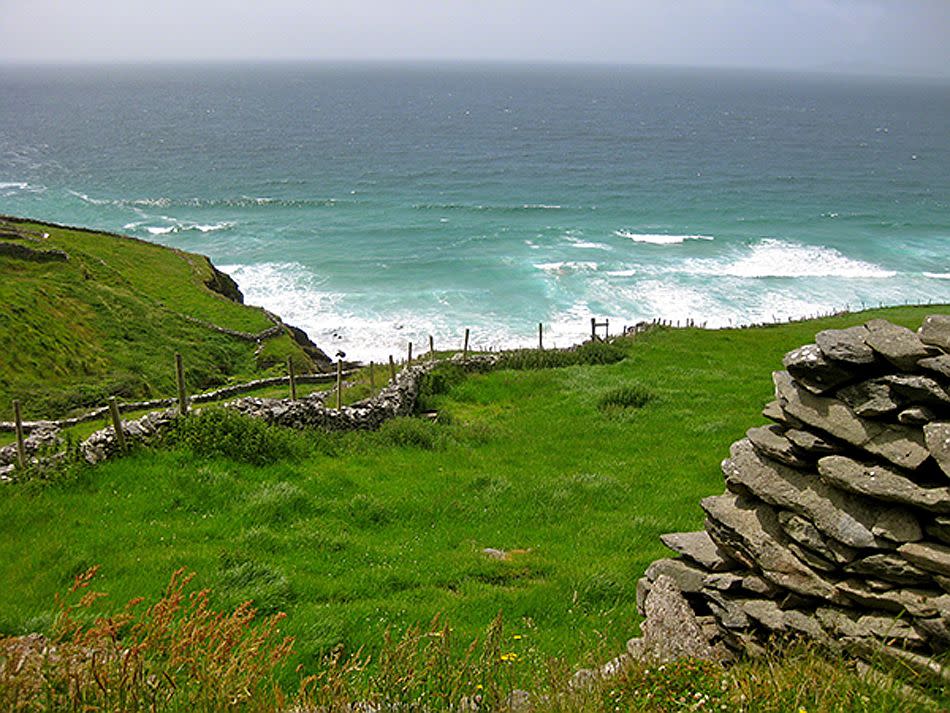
{"x": 917, "y": 389}
{"x": 808, "y": 442}
{"x": 847, "y": 345}
{"x": 812, "y": 559}
{"x": 936, "y": 331}
{"x": 937, "y": 439}
{"x": 805, "y": 533}
{"x": 812, "y": 370}
{"x": 916, "y": 416}
{"x": 699, "y": 547}
{"x": 771, "y": 443}
{"x": 773, "y": 412}
{"x": 939, "y": 364}
{"x": 916, "y": 602}
{"x": 751, "y": 531}
{"x": 939, "y": 528}
{"x": 937, "y": 629}
{"x": 877, "y": 653}
{"x": 688, "y": 578}
{"x": 828, "y": 415}
{"x": 870, "y": 399}
{"x": 643, "y": 589}
{"x": 671, "y": 630}
{"x": 898, "y": 345}
{"x": 844, "y": 623}
{"x": 726, "y": 609}
{"x": 735, "y": 583}
{"x": 901, "y": 445}
{"x": 890, "y": 567}
{"x": 838, "y": 514}
{"x": 881, "y": 483}
{"x": 928, "y": 555}
{"x": 769, "y": 615}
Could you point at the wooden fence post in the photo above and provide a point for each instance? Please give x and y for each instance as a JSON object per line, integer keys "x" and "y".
{"x": 465, "y": 347}
{"x": 431, "y": 345}
{"x": 117, "y": 423}
{"x": 372, "y": 376}
{"x": 339, "y": 384}
{"x": 540, "y": 335}
{"x": 180, "y": 376}
{"x": 293, "y": 379}
{"x": 20, "y": 447}
{"x": 409, "y": 360}
{"x": 593, "y": 328}
{"x": 392, "y": 369}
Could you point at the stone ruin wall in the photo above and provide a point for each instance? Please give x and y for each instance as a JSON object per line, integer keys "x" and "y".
{"x": 835, "y": 522}
{"x": 398, "y": 398}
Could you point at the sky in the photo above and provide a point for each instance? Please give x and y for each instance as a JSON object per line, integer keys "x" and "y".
{"x": 904, "y": 37}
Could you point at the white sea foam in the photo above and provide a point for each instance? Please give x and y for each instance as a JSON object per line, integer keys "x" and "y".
{"x": 565, "y": 267}
{"x": 11, "y": 188}
{"x": 659, "y": 239}
{"x": 182, "y": 227}
{"x": 938, "y": 275}
{"x": 779, "y": 258}
{"x": 582, "y": 244}
{"x": 622, "y": 273}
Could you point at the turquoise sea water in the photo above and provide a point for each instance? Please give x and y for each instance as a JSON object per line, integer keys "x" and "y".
{"x": 376, "y": 205}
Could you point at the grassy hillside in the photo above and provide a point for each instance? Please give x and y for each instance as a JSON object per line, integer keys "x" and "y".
{"x": 108, "y": 319}
{"x": 354, "y": 533}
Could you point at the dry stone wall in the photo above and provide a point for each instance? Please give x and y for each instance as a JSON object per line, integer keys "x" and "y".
{"x": 835, "y": 522}
{"x": 396, "y": 399}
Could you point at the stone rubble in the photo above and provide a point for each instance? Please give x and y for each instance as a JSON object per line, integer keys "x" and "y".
{"x": 835, "y": 523}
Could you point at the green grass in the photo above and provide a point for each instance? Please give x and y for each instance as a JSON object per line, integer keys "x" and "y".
{"x": 359, "y": 532}
{"x": 109, "y": 320}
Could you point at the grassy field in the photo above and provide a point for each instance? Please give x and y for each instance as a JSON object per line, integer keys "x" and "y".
{"x": 351, "y": 534}
{"x": 108, "y": 321}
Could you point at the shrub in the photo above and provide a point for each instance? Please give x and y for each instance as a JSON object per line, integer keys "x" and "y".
{"x": 625, "y": 397}
{"x": 587, "y": 353}
{"x": 216, "y": 431}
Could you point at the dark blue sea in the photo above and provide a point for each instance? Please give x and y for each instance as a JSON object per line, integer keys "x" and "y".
{"x": 374, "y": 205}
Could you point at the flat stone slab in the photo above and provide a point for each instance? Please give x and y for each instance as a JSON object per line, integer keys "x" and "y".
{"x": 918, "y": 389}
{"x": 870, "y": 399}
{"x": 898, "y": 345}
{"x": 804, "y": 532}
{"x": 771, "y": 442}
{"x": 935, "y": 330}
{"x": 939, "y": 364}
{"x": 916, "y": 602}
{"x": 927, "y": 555}
{"x": 916, "y": 416}
{"x": 881, "y": 483}
{"x": 699, "y": 547}
{"x": 687, "y": 577}
{"x": 848, "y": 519}
{"x": 810, "y": 443}
{"x": 810, "y": 368}
{"x": 937, "y": 440}
{"x": 889, "y": 567}
{"x": 847, "y": 345}
{"x": 752, "y": 531}
{"x": 828, "y": 415}
{"x": 841, "y": 623}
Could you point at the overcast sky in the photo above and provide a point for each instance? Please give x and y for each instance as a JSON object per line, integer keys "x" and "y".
{"x": 877, "y": 36}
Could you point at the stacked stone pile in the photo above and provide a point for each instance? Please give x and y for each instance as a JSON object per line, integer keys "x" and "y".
{"x": 835, "y": 523}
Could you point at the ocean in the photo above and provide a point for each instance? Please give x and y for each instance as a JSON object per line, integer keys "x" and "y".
{"x": 374, "y": 205}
